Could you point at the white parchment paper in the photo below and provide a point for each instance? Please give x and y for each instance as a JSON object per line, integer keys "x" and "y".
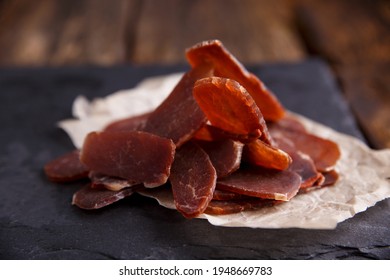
{"x": 364, "y": 173}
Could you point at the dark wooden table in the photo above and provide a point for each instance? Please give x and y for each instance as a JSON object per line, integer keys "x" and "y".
{"x": 352, "y": 36}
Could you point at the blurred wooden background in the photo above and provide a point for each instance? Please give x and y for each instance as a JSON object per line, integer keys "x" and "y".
{"x": 352, "y": 36}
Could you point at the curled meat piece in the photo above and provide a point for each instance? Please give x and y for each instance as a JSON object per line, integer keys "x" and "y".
{"x": 262, "y": 154}
{"x": 262, "y": 183}
{"x": 66, "y": 168}
{"x": 92, "y": 198}
{"x": 226, "y": 65}
{"x": 136, "y": 156}
{"x": 193, "y": 179}
{"x": 229, "y": 106}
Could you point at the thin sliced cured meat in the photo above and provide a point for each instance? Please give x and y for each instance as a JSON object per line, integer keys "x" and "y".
{"x": 129, "y": 124}
{"x": 193, "y": 179}
{"x": 225, "y": 155}
{"x": 178, "y": 117}
{"x": 92, "y": 198}
{"x": 137, "y": 156}
{"x": 262, "y": 154}
{"x": 220, "y": 207}
{"x": 66, "y": 168}
{"x": 330, "y": 178}
{"x": 227, "y": 66}
{"x": 229, "y": 106}
{"x": 99, "y": 180}
{"x": 262, "y": 183}
{"x": 226, "y": 195}
{"x": 304, "y": 166}
{"x": 325, "y": 153}
{"x": 212, "y": 133}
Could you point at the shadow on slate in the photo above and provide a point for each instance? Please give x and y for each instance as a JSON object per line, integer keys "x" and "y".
{"x": 37, "y": 220}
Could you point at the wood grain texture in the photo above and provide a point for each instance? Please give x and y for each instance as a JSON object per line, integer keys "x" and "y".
{"x": 255, "y": 31}
{"x": 355, "y": 39}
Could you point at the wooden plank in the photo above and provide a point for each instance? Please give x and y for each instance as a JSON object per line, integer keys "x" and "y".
{"x": 355, "y": 39}
{"x": 72, "y": 32}
{"x": 255, "y": 31}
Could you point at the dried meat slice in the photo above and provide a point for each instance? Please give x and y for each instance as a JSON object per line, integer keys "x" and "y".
{"x": 303, "y": 165}
{"x": 193, "y": 179}
{"x": 324, "y": 153}
{"x": 66, "y": 168}
{"x": 228, "y": 106}
{"x": 91, "y": 198}
{"x": 227, "y": 66}
{"x": 219, "y": 207}
{"x": 225, "y": 155}
{"x": 178, "y": 117}
{"x": 129, "y": 124}
{"x": 212, "y": 133}
{"x": 99, "y": 180}
{"x": 262, "y": 154}
{"x": 137, "y": 156}
{"x": 262, "y": 183}
{"x": 226, "y": 195}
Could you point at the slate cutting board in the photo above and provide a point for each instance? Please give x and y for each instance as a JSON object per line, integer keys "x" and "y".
{"x": 37, "y": 220}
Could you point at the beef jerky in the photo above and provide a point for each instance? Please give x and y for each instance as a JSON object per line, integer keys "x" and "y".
{"x": 219, "y": 207}
{"x": 227, "y": 66}
{"x": 262, "y": 183}
{"x": 193, "y": 179}
{"x": 66, "y": 168}
{"x": 99, "y": 180}
{"x": 129, "y": 124}
{"x": 212, "y": 133}
{"x": 262, "y": 154}
{"x": 226, "y": 195}
{"x": 225, "y": 155}
{"x": 229, "y": 106}
{"x": 136, "y": 156}
{"x": 92, "y": 198}
{"x": 178, "y": 117}
{"x": 324, "y": 153}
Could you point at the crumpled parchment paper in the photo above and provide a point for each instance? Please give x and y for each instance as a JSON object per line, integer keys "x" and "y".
{"x": 364, "y": 173}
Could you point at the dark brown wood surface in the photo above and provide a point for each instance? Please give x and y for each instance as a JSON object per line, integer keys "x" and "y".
{"x": 353, "y": 36}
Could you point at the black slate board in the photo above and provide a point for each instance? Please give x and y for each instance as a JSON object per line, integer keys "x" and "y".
{"x": 37, "y": 220}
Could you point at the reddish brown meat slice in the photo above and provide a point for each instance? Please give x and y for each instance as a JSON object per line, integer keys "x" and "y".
{"x": 137, "y": 156}
{"x": 92, "y": 198}
{"x": 227, "y": 66}
{"x": 218, "y": 207}
{"x": 193, "y": 180}
{"x": 324, "y": 153}
{"x": 99, "y": 180}
{"x": 331, "y": 177}
{"x": 262, "y": 154}
{"x": 229, "y": 106}
{"x": 226, "y": 195}
{"x": 129, "y": 124}
{"x": 212, "y": 133}
{"x": 303, "y": 165}
{"x": 262, "y": 183}
{"x": 179, "y": 116}
{"x": 66, "y": 168}
{"x": 225, "y": 155}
